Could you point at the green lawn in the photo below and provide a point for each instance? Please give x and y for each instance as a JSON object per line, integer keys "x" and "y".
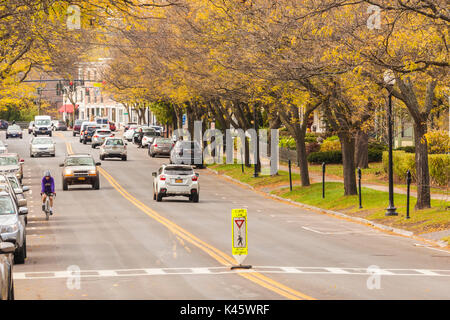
{"x": 374, "y": 203}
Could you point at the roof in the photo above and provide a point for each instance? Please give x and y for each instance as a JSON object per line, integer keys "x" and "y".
{"x": 74, "y": 155}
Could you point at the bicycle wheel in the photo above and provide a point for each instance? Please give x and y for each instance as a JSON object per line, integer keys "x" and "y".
{"x": 47, "y": 209}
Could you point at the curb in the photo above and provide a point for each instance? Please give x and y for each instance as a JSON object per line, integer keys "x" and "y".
{"x": 397, "y": 231}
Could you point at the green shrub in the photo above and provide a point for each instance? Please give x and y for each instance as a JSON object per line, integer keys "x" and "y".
{"x": 439, "y": 167}
{"x": 311, "y": 137}
{"x": 330, "y": 145}
{"x": 407, "y": 149}
{"x": 327, "y": 157}
{"x": 375, "y": 155}
{"x": 287, "y": 142}
{"x": 332, "y": 138}
{"x": 438, "y": 142}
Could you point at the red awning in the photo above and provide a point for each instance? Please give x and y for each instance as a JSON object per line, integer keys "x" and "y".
{"x": 68, "y": 108}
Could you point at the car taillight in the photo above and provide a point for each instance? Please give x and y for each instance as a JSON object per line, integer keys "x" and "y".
{"x": 156, "y": 146}
{"x": 194, "y": 178}
{"x": 85, "y": 132}
{"x": 96, "y": 136}
{"x": 162, "y": 177}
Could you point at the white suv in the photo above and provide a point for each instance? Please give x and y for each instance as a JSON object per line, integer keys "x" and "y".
{"x": 176, "y": 180}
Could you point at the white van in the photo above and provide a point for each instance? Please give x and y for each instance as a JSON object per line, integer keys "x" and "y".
{"x": 103, "y": 122}
{"x": 83, "y": 127}
{"x": 42, "y": 125}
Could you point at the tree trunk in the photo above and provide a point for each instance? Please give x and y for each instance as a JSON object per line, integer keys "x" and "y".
{"x": 362, "y": 150}
{"x": 422, "y": 173}
{"x": 348, "y": 161}
{"x": 302, "y": 160}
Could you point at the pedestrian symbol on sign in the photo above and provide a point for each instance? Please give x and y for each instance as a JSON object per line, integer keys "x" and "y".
{"x": 239, "y": 236}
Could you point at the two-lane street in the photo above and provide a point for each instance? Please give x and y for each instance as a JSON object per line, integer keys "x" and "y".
{"x": 125, "y": 245}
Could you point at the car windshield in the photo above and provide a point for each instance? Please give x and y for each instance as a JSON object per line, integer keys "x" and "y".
{"x": 80, "y": 161}
{"x": 14, "y": 182}
{"x": 187, "y": 145}
{"x": 14, "y": 127}
{"x": 114, "y": 142}
{"x": 6, "y": 205}
{"x": 42, "y": 122}
{"x": 163, "y": 141}
{"x": 151, "y": 134}
{"x": 103, "y": 132}
{"x": 8, "y": 161}
{"x": 102, "y": 121}
{"x": 174, "y": 171}
{"x": 61, "y": 123}
{"x": 91, "y": 128}
{"x": 79, "y": 122}
{"x": 42, "y": 141}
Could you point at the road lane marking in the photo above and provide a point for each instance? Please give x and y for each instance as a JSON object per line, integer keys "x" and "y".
{"x": 225, "y": 270}
{"x": 215, "y": 253}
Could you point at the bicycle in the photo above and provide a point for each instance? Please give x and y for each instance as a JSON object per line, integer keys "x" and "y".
{"x": 47, "y": 206}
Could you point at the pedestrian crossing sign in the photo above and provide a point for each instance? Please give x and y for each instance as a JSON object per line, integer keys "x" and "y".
{"x": 239, "y": 234}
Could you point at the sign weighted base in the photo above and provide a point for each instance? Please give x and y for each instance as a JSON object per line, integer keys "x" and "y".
{"x": 241, "y": 267}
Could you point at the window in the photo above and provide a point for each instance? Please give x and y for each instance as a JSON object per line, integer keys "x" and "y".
{"x": 6, "y": 205}
{"x": 79, "y": 161}
{"x": 8, "y": 161}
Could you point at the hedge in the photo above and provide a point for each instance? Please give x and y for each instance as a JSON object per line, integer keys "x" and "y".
{"x": 327, "y": 157}
{"x": 407, "y": 149}
{"x": 439, "y": 166}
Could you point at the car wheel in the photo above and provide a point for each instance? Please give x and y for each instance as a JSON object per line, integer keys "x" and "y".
{"x": 74, "y": 134}
{"x": 93, "y": 146}
{"x": 154, "y": 195}
{"x": 19, "y": 256}
{"x": 96, "y": 185}
{"x": 54, "y": 155}
{"x": 124, "y": 158}
{"x": 50, "y": 134}
{"x": 195, "y": 198}
{"x": 159, "y": 197}
{"x": 84, "y": 141}
{"x": 65, "y": 185}
{"x": 31, "y": 155}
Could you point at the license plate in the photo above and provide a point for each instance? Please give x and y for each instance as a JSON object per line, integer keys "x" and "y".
{"x": 178, "y": 180}
{"x": 82, "y": 178}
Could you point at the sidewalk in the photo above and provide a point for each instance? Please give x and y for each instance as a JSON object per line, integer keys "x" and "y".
{"x": 315, "y": 178}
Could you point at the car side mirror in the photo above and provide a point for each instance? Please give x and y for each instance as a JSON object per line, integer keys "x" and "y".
{"x": 25, "y": 188}
{"x": 154, "y": 174}
{"x": 7, "y": 247}
{"x": 98, "y": 163}
{"x": 22, "y": 205}
{"x": 61, "y": 164}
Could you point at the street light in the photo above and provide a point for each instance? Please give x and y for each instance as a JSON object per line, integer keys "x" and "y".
{"x": 389, "y": 80}
{"x": 255, "y": 174}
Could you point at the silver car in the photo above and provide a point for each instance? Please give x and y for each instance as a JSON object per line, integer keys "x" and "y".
{"x": 187, "y": 152}
{"x": 40, "y": 146}
{"x": 99, "y": 137}
{"x": 11, "y": 163}
{"x": 160, "y": 146}
{"x": 14, "y": 131}
{"x": 12, "y": 224}
{"x": 113, "y": 148}
{"x": 6, "y": 270}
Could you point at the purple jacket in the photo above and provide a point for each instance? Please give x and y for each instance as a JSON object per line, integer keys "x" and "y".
{"x": 48, "y": 186}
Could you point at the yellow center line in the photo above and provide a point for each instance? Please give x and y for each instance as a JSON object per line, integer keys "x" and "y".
{"x": 215, "y": 253}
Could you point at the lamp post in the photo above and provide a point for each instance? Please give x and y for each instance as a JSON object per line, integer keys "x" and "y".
{"x": 389, "y": 80}
{"x": 255, "y": 174}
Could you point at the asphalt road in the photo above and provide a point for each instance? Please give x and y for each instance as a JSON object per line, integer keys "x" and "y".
{"x": 124, "y": 245}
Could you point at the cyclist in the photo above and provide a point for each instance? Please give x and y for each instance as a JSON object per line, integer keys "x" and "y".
{"x": 48, "y": 190}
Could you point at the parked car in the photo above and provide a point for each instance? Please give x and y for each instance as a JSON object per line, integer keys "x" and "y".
{"x": 12, "y": 225}
{"x": 160, "y": 146}
{"x": 40, "y": 146}
{"x": 77, "y": 126}
{"x": 128, "y": 135}
{"x": 113, "y": 148}
{"x": 148, "y": 138}
{"x": 3, "y": 147}
{"x": 11, "y": 163}
{"x": 6, "y": 270}
{"x": 83, "y": 127}
{"x": 14, "y": 131}
{"x": 142, "y": 132}
{"x": 181, "y": 153}
{"x": 10, "y": 183}
{"x": 99, "y": 137}
{"x": 130, "y": 125}
{"x": 102, "y": 122}
{"x": 54, "y": 123}
{"x": 176, "y": 180}
{"x": 60, "y": 126}
{"x": 30, "y": 127}
{"x": 80, "y": 169}
{"x": 89, "y": 132}
{"x": 3, "y": 124}
{"x": 112, "y": 126}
